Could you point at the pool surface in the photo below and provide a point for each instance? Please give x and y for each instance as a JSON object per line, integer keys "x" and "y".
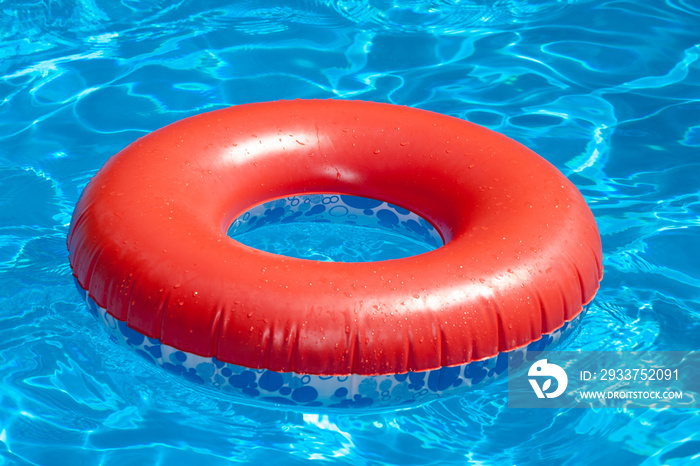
{"x": 607, "y": 91}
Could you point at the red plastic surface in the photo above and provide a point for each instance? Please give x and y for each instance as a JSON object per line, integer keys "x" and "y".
{"x": 148, "y": 240}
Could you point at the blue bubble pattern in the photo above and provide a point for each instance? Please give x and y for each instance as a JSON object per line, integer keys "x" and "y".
{"x": 289, "y": 388}
{"x": 338, "y": 208}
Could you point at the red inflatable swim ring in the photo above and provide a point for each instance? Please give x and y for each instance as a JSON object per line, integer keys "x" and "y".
{"x": 148, "y": 245}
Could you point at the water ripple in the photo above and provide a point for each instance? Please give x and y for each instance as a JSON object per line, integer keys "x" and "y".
{"x": 444, "y": 16}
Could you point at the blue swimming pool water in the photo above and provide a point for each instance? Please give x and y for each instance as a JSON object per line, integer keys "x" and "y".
{"x": 608, "y": 91}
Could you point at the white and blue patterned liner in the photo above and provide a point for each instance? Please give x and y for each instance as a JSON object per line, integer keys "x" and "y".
{"x": 338, "y": 208}
{"x": 288, "y": 388}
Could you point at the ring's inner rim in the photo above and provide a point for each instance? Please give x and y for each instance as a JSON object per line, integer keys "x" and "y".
{"x": 338, "y": 208}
